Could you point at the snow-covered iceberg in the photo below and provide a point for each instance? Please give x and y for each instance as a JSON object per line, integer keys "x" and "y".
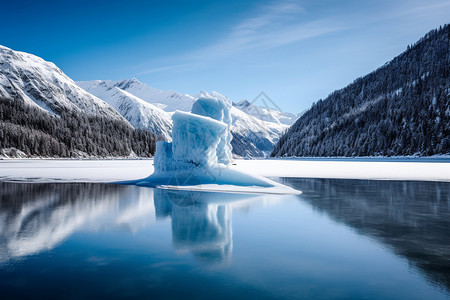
{"x": 199, "y": 156}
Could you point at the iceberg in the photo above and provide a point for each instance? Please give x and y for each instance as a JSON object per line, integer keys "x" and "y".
{"x": 199, "y": 157}
{"x": 218, "y": 109}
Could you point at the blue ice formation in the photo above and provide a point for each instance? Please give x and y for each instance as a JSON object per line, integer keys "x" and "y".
{"x": 199, "y": 156}
{"x": 218, "y": 109}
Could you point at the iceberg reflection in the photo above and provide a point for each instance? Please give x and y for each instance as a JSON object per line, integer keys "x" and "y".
{"x": 38, "y": 217}
{"x": 198, "y": 225}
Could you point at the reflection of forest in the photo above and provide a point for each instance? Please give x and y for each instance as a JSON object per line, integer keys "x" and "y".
{"x": 412, "y": 218}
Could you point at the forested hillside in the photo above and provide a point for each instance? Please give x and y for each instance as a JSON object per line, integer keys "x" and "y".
{"x": 37, "y": 132}
{"x": 43, "y": 113}
{"x": 401, "y": 108}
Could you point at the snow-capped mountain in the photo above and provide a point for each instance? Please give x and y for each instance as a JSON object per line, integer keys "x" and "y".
{"x": 253, "y": 137}
{"x": 43, "y": 113}
{"x": 168, "y": 100}
{"x": 42, "y": 84}
{"x": 266, "y": 113}
{"x": 139, "y": 113}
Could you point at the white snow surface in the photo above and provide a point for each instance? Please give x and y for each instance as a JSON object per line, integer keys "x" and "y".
{"x": 51, "y": 170}
{"x": 43, "y": 85}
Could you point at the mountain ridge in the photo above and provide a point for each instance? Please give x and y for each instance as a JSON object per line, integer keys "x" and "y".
{"x": 141, "y": 114}
{"x": 253, "y": 137}
{"x": 400, "y": 109}
{"x": 43, "y": 113}
{"x": 44, "y": 85}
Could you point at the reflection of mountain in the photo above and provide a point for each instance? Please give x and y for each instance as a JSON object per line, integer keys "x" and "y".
{"x": 37, "y": 217}
{"x": 412, "y": 218}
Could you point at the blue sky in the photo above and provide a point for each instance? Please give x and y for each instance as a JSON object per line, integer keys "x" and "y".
{"x": 295, "y": 51}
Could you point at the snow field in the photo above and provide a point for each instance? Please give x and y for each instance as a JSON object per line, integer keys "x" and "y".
{"x": 50, "y": 170}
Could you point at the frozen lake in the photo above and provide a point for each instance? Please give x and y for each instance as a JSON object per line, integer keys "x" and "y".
{"x": 341, "y": 238}
{"x": 44, "y": 170}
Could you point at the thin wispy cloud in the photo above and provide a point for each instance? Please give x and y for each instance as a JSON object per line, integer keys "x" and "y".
{"x": 422, "y": 9}
{"x": 273, "y": 26}
{"x": 407, "y": 9}
{"x": 269, "y": 14}
{"x": 296, "y": 51}
{"x": 165, "y": 68}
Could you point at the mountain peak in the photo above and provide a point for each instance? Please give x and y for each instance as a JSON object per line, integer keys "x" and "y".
{"x": 42, "y": 84}
{"x": 127, "y": 83}
{"x": 243, "y": 103}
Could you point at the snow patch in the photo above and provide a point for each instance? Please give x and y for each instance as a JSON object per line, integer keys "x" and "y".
{"x": 12, "y": 153}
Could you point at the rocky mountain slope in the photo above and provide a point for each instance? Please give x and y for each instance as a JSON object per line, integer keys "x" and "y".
{"x": 43, "y": 85}
{"x": 139, "y": 113}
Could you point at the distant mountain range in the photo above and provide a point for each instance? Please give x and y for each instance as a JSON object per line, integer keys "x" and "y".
{"x": 255, "y": 129}
{"x": 45, "y": 113}
{"x": 402, "y": 108}
{"x": 266, "y": 113}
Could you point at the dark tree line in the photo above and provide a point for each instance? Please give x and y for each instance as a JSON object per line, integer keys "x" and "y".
{"x": 402, "y": 108}
{"x": 69, "y": 134}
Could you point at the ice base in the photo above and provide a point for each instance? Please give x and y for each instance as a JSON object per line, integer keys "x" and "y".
{"x": 219, "y": 179}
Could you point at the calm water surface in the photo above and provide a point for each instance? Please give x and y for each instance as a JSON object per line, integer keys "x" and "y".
{"x": 339, "y": 239}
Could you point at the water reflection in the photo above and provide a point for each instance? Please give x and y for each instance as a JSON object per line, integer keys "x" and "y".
{"x": 411, "y": 218}
{"x": 37, "y": 217}
{"x": 202, "y": 227}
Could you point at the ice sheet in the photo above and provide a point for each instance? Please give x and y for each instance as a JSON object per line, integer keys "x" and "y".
{"x": 51, "y": 170}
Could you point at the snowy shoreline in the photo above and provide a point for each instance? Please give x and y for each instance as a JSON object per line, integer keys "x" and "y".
{"x": 105, "y": 170}
{"x": 437, "y": 158}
